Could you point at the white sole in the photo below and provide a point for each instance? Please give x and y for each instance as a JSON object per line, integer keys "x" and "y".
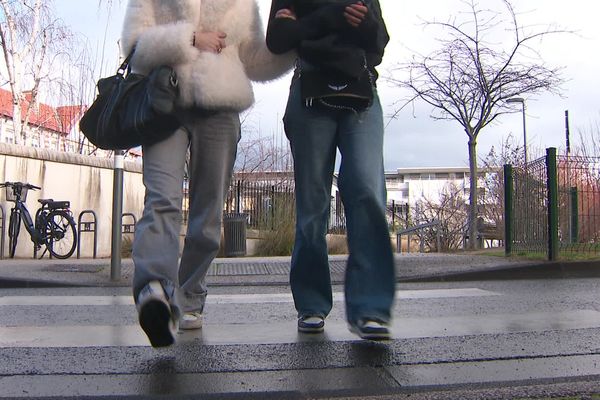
{"x": 369, "y": 336}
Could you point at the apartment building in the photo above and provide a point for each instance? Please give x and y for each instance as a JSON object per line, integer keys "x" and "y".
{"x": 409, "y": 185}
{"x": 49, "y": 127}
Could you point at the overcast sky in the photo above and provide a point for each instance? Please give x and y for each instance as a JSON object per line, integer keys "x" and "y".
{"x": 413, "y": 139}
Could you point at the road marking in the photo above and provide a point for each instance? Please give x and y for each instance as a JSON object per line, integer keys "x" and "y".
{"x": 494, "y": 371}
{"x": 435, "y": 377}
{"x": 278, "y": 332}
{"x": 227, "y": 298}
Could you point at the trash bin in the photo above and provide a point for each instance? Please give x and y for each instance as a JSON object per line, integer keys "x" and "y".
{"x": 234, "y": 232}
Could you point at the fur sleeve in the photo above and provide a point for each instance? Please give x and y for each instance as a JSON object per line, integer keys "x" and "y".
{"x": 260, "y": 63}
{"x": 155, "y": 43}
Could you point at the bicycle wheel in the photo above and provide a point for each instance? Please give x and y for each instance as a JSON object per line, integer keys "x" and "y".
{"x": 60, "y": 234}
{"x": 14, "y": 227}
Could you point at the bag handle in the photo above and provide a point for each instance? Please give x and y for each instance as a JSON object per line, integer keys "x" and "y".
{"x": 125, "y": 64}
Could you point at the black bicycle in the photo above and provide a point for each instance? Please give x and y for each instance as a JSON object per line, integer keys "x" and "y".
{"x": 54, "y": 226}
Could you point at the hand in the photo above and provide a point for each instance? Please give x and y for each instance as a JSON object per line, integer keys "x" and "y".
{"x": 355, "y": 13}
{"x": 210, "y": 41}
{"x": 285, "y": 13}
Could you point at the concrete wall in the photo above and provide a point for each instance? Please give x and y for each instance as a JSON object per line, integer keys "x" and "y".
{"x": 87, "y": 182}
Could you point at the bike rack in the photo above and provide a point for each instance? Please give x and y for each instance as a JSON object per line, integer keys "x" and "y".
{"x": 87, "y": 226}
{"x": 2, "y": 219}
{"x": 128, "y": 228}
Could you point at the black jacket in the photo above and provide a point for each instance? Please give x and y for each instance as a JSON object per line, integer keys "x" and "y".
{"x": 322, "y": 36}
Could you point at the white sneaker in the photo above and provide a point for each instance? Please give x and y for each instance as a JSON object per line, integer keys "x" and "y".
{"x": 190, "y": 321}
{"x": 371, "y": 329}
{"x": 311, "y": 324}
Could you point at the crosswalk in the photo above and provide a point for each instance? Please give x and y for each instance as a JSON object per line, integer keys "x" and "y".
{"x": 225, "y": 298}
{"x": 90, "y": 344}
{"x": 264, "y": 331}
{"x": 71, "y": 334}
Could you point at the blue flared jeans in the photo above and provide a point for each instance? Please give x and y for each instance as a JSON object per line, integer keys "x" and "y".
{"x": 315, "y": 133}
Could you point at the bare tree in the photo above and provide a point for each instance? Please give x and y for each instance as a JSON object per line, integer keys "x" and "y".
{"x": 589, "y": 138}
{"x": 449, "y": 210}
{"x": 492, "y": 199}
{"x": 31, "y": 39}
{"x": 93, "y": 62}
{"x": 258, "y": 153}
{"x": 108, "y": 3}
{"x": 475, "y": 71}
{"x": 76, "y": 86}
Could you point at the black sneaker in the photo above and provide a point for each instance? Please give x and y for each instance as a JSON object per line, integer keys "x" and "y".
{"x": 370, "y": 329}
{"x": 155, "y": 315}
{"x": 311, "y": 324}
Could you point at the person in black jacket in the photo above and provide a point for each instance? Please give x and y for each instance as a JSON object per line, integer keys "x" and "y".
{"x": 333, "y": 104}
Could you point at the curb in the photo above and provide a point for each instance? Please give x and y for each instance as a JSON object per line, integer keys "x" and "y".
{"x": 547, "y": 270}
{"x": 16, "y": 283}
{"x": 534, "y": 270}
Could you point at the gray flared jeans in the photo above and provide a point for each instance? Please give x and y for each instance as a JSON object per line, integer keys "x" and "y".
{"x": 212, "y": 138}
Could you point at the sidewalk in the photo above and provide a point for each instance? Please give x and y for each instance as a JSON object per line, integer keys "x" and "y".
{"x": 275, "y": 270}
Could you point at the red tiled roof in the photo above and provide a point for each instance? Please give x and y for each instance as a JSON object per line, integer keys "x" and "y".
{"x": 57, "y": 119}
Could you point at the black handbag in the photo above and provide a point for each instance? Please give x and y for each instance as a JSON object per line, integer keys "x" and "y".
{"x": 132, "y": 109}
{"x": 321, "y": 88}
{"x": 324, "y": 87}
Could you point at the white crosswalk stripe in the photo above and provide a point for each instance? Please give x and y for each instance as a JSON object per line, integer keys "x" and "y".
{"x": 282, "y": 330}
{"x": 225, "y": 298}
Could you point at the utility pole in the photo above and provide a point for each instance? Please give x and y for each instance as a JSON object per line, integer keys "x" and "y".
{"x": 568, "y": 139}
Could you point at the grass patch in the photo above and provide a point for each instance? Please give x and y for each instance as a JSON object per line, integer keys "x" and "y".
{"x": 495, "y": 252}
{"x": 530, "y": 255}
{"x": 564, "y": 255}
{"x": 569, "y": 256}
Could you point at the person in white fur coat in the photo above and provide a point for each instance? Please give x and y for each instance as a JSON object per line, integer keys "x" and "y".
{"x": 217, "y": 47}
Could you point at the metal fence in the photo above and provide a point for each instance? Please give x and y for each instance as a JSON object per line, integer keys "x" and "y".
{"x": 530, "y": 215}
{"x": 266, "y": 202}
{"x": 578, "y": 204}
{"x": 553, "y": 206}
{"x": 263, "y": 202}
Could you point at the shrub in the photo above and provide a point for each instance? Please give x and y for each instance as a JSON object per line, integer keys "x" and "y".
{"x": 126, "y": 247}
{"x": 278, "y": 232}
{"x": 337, "y": 244}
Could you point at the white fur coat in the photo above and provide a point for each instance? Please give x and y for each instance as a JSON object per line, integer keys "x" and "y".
{"x": 162, "y": 31}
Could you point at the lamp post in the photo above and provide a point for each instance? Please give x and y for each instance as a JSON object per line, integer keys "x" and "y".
{"x": 117, "y": 215}
{"x": 522, "y": 101}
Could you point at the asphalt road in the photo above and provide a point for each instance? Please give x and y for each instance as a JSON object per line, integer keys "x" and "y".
{"x": 454, "y": 340}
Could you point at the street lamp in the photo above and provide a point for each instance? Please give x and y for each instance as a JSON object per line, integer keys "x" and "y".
{"x": 522, "y": 101}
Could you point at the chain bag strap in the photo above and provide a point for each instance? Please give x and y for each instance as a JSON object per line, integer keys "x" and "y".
{"x": 320, "y": 87}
